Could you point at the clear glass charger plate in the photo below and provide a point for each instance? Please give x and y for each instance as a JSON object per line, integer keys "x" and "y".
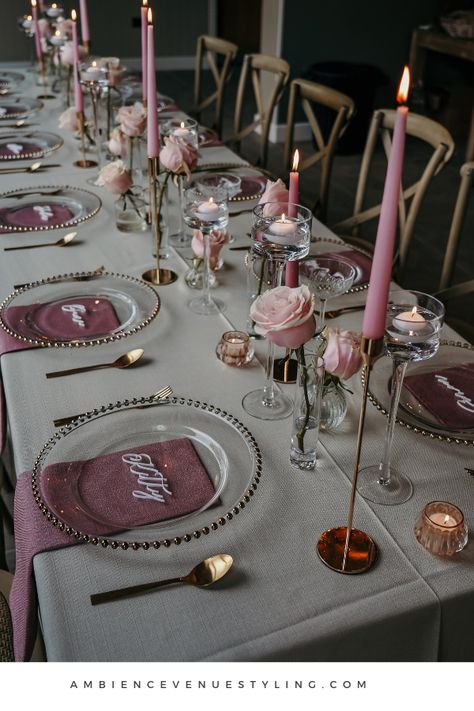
{"x": 252, "y": 180}
{"x": 9, "y": 79}
{"x": 411, "y": 413}
{"x": 21, "y": 146}
{"x": 49, "y": 312}
{"x": 337, "y": 247}
{"x": 223, "y": 444}
{"x": 18, "y": 108}
{"x": 46, "y": 207}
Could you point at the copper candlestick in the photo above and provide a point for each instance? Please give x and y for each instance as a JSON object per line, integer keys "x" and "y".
{"x": 157, "y": 276}
{"x": 84, "y": 162}
{"x": 346, "y": 549}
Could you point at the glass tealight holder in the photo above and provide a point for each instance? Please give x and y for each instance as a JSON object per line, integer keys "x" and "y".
{"x": 235, "y": 348}
{"x": 441, "y": 528}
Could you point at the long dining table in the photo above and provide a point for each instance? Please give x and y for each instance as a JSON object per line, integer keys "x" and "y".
{"x": 279, "y": 603}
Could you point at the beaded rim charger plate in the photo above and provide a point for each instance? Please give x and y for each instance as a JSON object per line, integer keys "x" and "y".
{"x": 133, "y": 303}
{"x": 29, "y": 145}
{"x": 411, "y": 413}
{"x": 226, "y": 448}
{"x": 8, "y": 79}
{"x": 18, "y": 108}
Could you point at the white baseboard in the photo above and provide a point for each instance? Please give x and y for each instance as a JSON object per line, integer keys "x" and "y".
{"x": 302, "y": 132}
{"x": 184, "y": 63}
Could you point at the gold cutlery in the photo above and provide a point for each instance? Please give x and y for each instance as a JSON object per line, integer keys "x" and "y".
{"x": 345, "y": 310}
{"x": 159, "y": 395}
{"x": 86, "y": 277}
{"x": 469, "y": 471}
{"x": 33, "y": 168}
{"x": 17, "y": 124}
{"x": 242, "y": 247}
{"x": 63, "y": 242}
{"x": 202, "y": 575}
{"x": 125, "y": 360}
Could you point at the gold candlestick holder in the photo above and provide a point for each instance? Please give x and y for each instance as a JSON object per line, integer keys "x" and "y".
{"x": 44, "y": 83}
{"x": 83, "y": 162}
{"x": 156, "y": 276}
{"x": 345, "y": 549}
{"x": 87, "y": 46}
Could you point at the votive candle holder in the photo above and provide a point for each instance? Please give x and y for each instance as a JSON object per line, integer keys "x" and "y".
{"x": 441, "y": 528}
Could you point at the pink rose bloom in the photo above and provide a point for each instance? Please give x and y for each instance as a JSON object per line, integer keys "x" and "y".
{"x": 68, "y": 119}
{"x": 117, "y": 144}
{"x": 132, "y": 119}
{"x": 275, "y": 192}
{"x": 178, "y": 156}
{"x": 116, "y": 71}
{"x": 44, "y": 27}
{"x": 285, "y": 316}
{"x": 342, "y": 355}
{"x": 64, "y": 26}
{"x": 115, "y": 178}
{"x": 217, "y": 239}
{"x": 67, "y": 53}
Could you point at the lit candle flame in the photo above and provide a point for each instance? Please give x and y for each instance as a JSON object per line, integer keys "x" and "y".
{"x": 404, "y": 87}
{"x": 73, "y": 15}
{"x": 211, "y": 199}
{"x": 57, "y": 33}
{"x": 150, "y": 16}
{"x": 145, "y": 3}
{"x": 446, "y": 519}
{"x": 283, "y": 217}
{"x": 54, "y": 6}
{"x": 414, "y": 311}
{"x": 94, "y": 64}
{"x": 33, "y": 3}
{"x": 182, "y": 124}
{"x": 296, "y": 160}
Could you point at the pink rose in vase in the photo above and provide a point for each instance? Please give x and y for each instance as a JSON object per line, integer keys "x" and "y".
{"x": 117, "y": 144}
{"x": 67, "y": 53}
{"x": 277, "y": 194}
{"x": 132, "y": 120}
{"x": 115, "y": 178}
{"x": 342, "y": 355}
{"x": 178, "y": 156}
{"x": 68, "y": 119}
{"x": 285, "y": 316}
{"x": 217, "y": 239}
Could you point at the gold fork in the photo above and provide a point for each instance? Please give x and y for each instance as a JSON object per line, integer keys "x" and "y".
{"x": 161, "y": 394}
{"x": 87, "y": 277}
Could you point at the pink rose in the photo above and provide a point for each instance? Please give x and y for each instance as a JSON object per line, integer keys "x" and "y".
{"x": 217, "y": 239}
{"x": 44, "y": 28}
{"x": 115, "y": 69}
{"x": 342, "y": 355}
{"x": 115, "y": 178}
{"x": 285, "y": 316}
{"x": 68, "y": 119}
{"x": 276, "y": 192}
{"x": 67, "y": 53}
{"x": 64, "y": 26}
{"x": 132, "y": 119}
{"x": 178, "y": 156}
{"x": 117, "y": 144}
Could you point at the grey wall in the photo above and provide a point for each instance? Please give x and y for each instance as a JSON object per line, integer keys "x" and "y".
{"x": 178, "y": 23}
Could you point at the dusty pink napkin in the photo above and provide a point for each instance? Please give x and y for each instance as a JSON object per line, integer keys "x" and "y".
{"x": 208, "y": 138}
{"x": 448, "y": 394}
{"x": 27, "y": 147}
{"x": 106, "y": 486}
{"x": 41, "y": 215}
{"x": 99, "y": 318}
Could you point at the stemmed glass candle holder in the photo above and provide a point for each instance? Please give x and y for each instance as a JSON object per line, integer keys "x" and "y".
{"x": 206, "y": 213}
{"x": 186, "y": 131}
{"x": 279, "y": 239}
{"x": 326, "y": 278}
{"x": 95, "y": 79}
{"x": 412, "y": 333}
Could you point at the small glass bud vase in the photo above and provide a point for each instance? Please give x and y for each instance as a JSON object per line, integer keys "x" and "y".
{"x": 441, "y": 528}
{"x": 131, "y": 213}
{"x": 235, "y": 348}
{"x": 333, "y": 406}
{"x": 195, "y": 277}
{"x": 306, "y": 413}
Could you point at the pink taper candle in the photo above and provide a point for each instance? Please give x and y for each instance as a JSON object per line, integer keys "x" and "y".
{"x": 41, "y": 6}
{"x": 377, "y": 296}
{"x": 84, "y": 21}
{"x": 153, "y": 136}
{"x": 34, "y": 11}
{"x": 292, "y": 271}
{"x": 78, "y": 96}
{"x": 144, "y": 10}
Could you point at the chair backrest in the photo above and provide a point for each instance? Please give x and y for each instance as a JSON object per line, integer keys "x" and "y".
{"x": 211, "y": 48}
{"x": 342, "y": 109}
{"x": 459, "y": 216}
{"x": 253, "y": 66}
{"x": 422, "y": 128}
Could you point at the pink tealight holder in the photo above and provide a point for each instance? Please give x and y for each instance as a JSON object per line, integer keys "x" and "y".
{"x": 235, "y": 348}
{"x": 441, "y": 528}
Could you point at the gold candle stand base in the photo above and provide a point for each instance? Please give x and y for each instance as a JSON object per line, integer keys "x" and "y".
{"x": 345, "y": 549}
{"x": 159, "y": 277}
{"x": 45, "y": 97}
{"x": 285, "y": 370}
{"x": 85, "y": 164}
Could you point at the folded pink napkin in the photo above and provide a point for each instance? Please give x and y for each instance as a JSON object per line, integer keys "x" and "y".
{"x": 170, "y": 470}
{"x": 57, "y": 320}
{"x": 448, "y": 394}
{"x": 357, "y": 259}
{"x": 41, "y": 215}
{"x": 208, "y": 138}
{"x": 17, "y": 148}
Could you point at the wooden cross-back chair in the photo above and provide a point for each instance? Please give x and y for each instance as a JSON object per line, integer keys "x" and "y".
{"x": 213, "y": 48}
{"x": 411, "y": 198}
{"x": 341, "y": 107}
{"x": 253, "y": 66}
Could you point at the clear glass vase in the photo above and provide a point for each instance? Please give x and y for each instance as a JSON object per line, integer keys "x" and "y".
{"x": 131, "y": 213}
{"x": 306, "y": 413}
{"x": 333, "y": 406}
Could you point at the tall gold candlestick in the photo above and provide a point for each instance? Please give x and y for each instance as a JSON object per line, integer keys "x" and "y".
{"x": 83, "y": 162}
{"x": 157, "y": 276}
{"x": 346, "y": 549}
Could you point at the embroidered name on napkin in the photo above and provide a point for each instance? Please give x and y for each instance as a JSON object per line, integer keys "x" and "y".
{"x": 148, "y": 476}
{"x": 447, "y": 394}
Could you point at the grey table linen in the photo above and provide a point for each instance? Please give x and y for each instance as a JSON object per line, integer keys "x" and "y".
{"x": 279, "y": 602}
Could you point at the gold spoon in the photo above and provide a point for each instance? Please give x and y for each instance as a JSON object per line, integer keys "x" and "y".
{"x": 17, "y": 124}
{"x": 124, "y": 361}
{"x": 204, "y": 574}
{"x": 63, "y": 242}
{"x": 31, "y": 168}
